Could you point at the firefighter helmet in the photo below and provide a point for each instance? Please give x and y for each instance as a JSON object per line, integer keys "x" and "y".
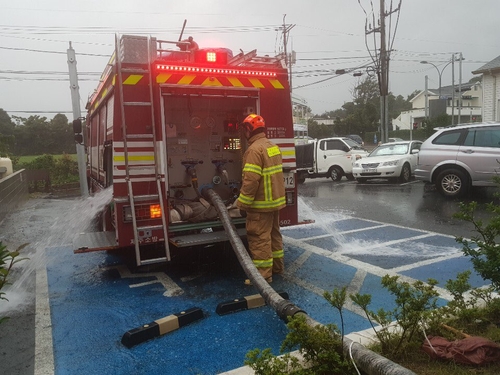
{"x": 253, "y": 122}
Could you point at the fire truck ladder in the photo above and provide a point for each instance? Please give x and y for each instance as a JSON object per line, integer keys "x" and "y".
{"x": 158, "y": 197}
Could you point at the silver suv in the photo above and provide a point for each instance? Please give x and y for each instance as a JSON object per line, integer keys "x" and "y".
{"x": 458, "y": 157}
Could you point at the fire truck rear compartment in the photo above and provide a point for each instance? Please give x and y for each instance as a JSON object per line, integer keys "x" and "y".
{"x": 162, "y": 126}
{"x": 203, "y": 148}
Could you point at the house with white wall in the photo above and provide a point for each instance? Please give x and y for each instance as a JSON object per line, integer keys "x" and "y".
{"x": 470, "y": 109}
{"x": 491, "y": 89}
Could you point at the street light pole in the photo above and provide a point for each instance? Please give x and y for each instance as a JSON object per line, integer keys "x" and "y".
{"x": 440, "y": 72}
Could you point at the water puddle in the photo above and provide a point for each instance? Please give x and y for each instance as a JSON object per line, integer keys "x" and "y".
{"x": 326, "y": 225}
{"x": 43, "y": 224}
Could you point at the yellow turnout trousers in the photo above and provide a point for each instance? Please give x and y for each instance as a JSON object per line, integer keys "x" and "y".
{"x": 265, "y": 242}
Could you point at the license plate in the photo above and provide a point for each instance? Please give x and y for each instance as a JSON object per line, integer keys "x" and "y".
{"x": 371, "y": 170}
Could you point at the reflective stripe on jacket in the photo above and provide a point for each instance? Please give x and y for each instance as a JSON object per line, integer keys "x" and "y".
{"x": 262, "y": 188}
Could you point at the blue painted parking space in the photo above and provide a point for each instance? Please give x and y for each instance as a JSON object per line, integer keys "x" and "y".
{"x": 94, "y": 298}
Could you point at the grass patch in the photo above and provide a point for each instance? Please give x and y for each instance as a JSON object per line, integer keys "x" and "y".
{"x": 30, "y": 158}
{"x": 62, "y": 169}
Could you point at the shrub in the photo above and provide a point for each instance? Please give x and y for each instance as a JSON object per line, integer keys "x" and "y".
{"x": 414, "y": 303}
{"x": 482, "y": 248}
{"x": 7, "y": 261}
{"x": 320, "y": 346}
{"x": 61, "y": 169}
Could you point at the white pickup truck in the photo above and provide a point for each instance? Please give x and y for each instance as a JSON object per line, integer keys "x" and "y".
{"x": 327, "y": 157}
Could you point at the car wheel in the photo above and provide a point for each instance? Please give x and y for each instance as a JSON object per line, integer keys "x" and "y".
{"x": 452, "y": 182}
{"x": 301, "y": 178}
{"x": 335, "y": 173}
{"x": 350, "y": 177}
{"x": 361, "y": 180}
{"x": 405, "y": 173}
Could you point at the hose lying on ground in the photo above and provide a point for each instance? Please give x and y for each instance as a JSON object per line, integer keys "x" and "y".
{"x": 369, "y": 362}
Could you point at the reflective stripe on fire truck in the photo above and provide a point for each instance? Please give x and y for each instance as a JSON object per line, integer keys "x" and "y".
{"x": 132, "y": 79}
{"x": 287, "y": 147}
{"x": 235, "y": 82}
{"x": 133, "y": 158}
{"x": 194, "y": 80}
{"x": 141, "y": 161}
{"x": 163, "y": 77}
{"x": 223, "y": 81}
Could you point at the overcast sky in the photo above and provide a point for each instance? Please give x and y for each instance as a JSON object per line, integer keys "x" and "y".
{"x": 328, "y": 35}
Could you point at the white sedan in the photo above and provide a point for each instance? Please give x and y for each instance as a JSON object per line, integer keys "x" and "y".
{"x": 394, "y": 161}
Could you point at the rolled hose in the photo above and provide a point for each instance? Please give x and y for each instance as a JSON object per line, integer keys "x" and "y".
{"x": 369, "y": 362}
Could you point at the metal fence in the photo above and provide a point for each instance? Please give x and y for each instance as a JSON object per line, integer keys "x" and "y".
{"x": 13, "y": 192}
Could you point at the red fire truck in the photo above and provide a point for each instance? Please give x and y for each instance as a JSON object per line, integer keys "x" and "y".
{"x": 163, "y": 125}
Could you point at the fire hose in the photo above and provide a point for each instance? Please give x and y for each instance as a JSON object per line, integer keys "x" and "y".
{"x": 369, "y": 362}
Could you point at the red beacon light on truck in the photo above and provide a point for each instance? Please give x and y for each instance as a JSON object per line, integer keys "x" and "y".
{"x": 218, "y": 56}
{"x": 211, "y": 57}
{"x": 214, "y": 61}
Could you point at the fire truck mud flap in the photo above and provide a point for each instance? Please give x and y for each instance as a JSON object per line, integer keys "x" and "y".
{"x": 94, "y": 241}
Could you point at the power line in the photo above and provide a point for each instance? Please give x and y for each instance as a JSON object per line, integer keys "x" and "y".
{"x": 46, "y": 72}
{"x": 37, "y": 111}
{"x": 43, "y": 79}
{"x": 47, "y": 51}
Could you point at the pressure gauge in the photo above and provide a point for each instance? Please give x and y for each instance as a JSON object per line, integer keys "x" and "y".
{"x": 216, "y": 180}
{"x": 195, "y": 122}
{"x": 210, "y": 122}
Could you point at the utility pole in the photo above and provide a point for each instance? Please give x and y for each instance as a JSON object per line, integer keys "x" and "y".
{"x": 384, "y": 77}
{"x": 453, "y": 89}
{"x": 381, "y": 59}
{"x": 426, "y": 101}
{"x": 75, "y": 101}
{"x": 460, "y": 89}
{"x": 288, "y": 63}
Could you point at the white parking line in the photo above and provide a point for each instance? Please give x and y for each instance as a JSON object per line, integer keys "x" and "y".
{"x": 171, "y": 288}
{"x": 44, "y": 352}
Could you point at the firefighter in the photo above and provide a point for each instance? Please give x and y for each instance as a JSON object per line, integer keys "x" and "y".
{"x": 262, "y": 195}
{"x": 192, "y": 46}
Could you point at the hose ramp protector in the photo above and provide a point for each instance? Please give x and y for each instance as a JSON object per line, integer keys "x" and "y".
{"x": 161, "y": 326}
{"x": 244, "y": 303}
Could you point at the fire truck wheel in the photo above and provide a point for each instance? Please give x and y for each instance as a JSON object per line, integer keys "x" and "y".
{"x": 335, "y": 173}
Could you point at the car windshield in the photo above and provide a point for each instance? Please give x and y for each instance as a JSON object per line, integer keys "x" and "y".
{"x": 353, "y": 144}
{"x": 397, "y": 149}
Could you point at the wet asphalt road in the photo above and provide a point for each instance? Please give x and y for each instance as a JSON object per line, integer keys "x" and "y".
{"x": 405, "y": 205}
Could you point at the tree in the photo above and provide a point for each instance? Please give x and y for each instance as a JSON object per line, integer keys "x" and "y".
{"x": 360, "y": 115}
{"x": 52, "y": 137}
{"x": 27, "y": 131}
{"x": 316, "y": 130}
{"x": 6, "y": 133}
{"x": 61, "y": 136}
